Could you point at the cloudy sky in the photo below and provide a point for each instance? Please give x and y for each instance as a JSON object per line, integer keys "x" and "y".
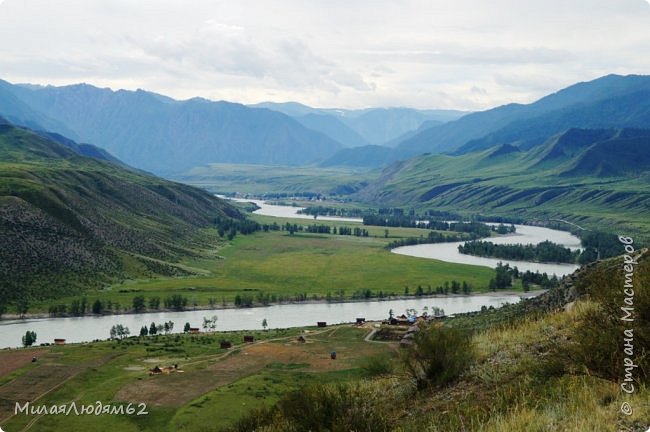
{"x": 329, "y": 53}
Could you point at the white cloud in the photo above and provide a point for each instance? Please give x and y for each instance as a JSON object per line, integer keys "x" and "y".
{"x": 425, "y": 53}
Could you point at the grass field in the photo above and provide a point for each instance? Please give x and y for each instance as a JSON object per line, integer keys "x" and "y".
{"x": 277, "y": 263}
{"x": 216, "y": 386}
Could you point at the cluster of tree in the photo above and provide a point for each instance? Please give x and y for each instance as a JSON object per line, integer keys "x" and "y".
{"x": 175, "y": 301}
{"x": 432, "y": 237}
{"x": 334, "y": 211}
{"x": 210, "y": 323}
{"x": 230, "y": 227}
{"x": 356, "y": 231}
{"x": 453, "y": 287}
{"x": 119, "y": 331}
{"x": 155, "y": 329}
{"x": 498, "y": 219}
{"x": 598, "y": 245}
{"x": 80, "y": 307}
{"x": 505, "y": 275}
{"x": 545, "y": 251}
{"x": 29, "y": 339}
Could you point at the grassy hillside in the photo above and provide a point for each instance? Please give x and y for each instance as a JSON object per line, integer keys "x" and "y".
{"x": 69, "y": 223}
{"x": 600, "y": 181}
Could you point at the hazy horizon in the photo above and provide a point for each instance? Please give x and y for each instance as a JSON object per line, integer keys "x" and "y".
{"x": 329, "y": 54}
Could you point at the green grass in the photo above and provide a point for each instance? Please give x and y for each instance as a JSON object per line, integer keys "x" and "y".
{"x": 99, "y": 371}
{"x": 286, "y": 265}
{"x": 514, "y": 186}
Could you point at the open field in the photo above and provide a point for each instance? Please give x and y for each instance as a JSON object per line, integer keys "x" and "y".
{"x": 280, "y": 264}
{"x": 214, "y": 388}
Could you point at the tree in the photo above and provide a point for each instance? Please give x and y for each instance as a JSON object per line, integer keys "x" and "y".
{"x": 75, "y": 308}
{"x": 138, "y": 303}
{"x": 98, "y": 307}
{"x": 144, "y": 331}
{"x": 29, "y": 339}
{"x": 82, "y": 305}
{"x": 119, "y": 331}
{"x": 154, "y": 303}
{"x": 187, "y": 327}
{"x": 265, "y": 324}
{"x": 22, "y": 307}
{"x": 153, "y": 329}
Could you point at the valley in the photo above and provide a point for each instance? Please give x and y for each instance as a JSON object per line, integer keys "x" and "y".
{"x": 103, "y": 254}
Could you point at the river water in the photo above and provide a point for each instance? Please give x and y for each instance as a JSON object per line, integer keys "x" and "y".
{"x": 525, "y": 235}
{"x": 282, "y": 211}
{"x": 88, "y": 328}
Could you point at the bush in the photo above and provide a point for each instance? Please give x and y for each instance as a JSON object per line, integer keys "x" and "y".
{"x": 598, "y": 342}
{"x": 377, "y": 365}
{"x": 438, "y": 355}
{"x": 360, "y": 406}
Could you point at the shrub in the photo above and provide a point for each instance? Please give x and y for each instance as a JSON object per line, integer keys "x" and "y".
{"x": 438, "y": 355}
{"x": 377, "y": 365}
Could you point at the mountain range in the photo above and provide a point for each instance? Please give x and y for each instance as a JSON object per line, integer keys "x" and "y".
{"x": 612, "y": 101}
{"x": 162, "y": 135}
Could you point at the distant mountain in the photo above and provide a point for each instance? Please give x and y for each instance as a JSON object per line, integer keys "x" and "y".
{"x": 407, "y": 135}
{"x": 159, "y": 134}
{"x": 293, "y": 109}
{"x": 19, "y": 113}
{"x": 380, "y": 125}
{"x": 610, "y": 101}
{"x": 370, "y": 156}
{"x": 377, "y": 126}
{"x": 599, "y": 177}
{"x": 333, "y": 127}
{"x": 69, "y": 222}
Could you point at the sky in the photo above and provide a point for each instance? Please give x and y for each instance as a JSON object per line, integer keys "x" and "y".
{"x": 459, "y": 54}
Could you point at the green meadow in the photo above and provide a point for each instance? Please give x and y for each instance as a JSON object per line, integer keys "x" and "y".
{"x": 285, "y": 265}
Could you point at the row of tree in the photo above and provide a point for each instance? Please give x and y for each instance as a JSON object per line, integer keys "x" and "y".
{"x": 545, "y": 251}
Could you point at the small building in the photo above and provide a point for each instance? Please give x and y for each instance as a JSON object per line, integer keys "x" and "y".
{"x": 249, "y": 339}
{"x": 194, "y": 330}
{"x": 361, "y": 321}
{"x": 321, "y": 324}
{"x": 59, "y": 341}
{"x": 225, "y": 344}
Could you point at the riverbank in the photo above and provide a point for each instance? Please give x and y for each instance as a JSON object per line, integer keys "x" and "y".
{"x": 31, "y": 316}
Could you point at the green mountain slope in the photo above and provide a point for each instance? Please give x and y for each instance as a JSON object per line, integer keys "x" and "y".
{"x": 70, "y": 222}
{"x": 596, "y": 178}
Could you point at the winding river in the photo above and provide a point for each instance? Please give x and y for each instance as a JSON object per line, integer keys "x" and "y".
{"x": 88, "y": 328}
{"x": 525, "y": 235}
